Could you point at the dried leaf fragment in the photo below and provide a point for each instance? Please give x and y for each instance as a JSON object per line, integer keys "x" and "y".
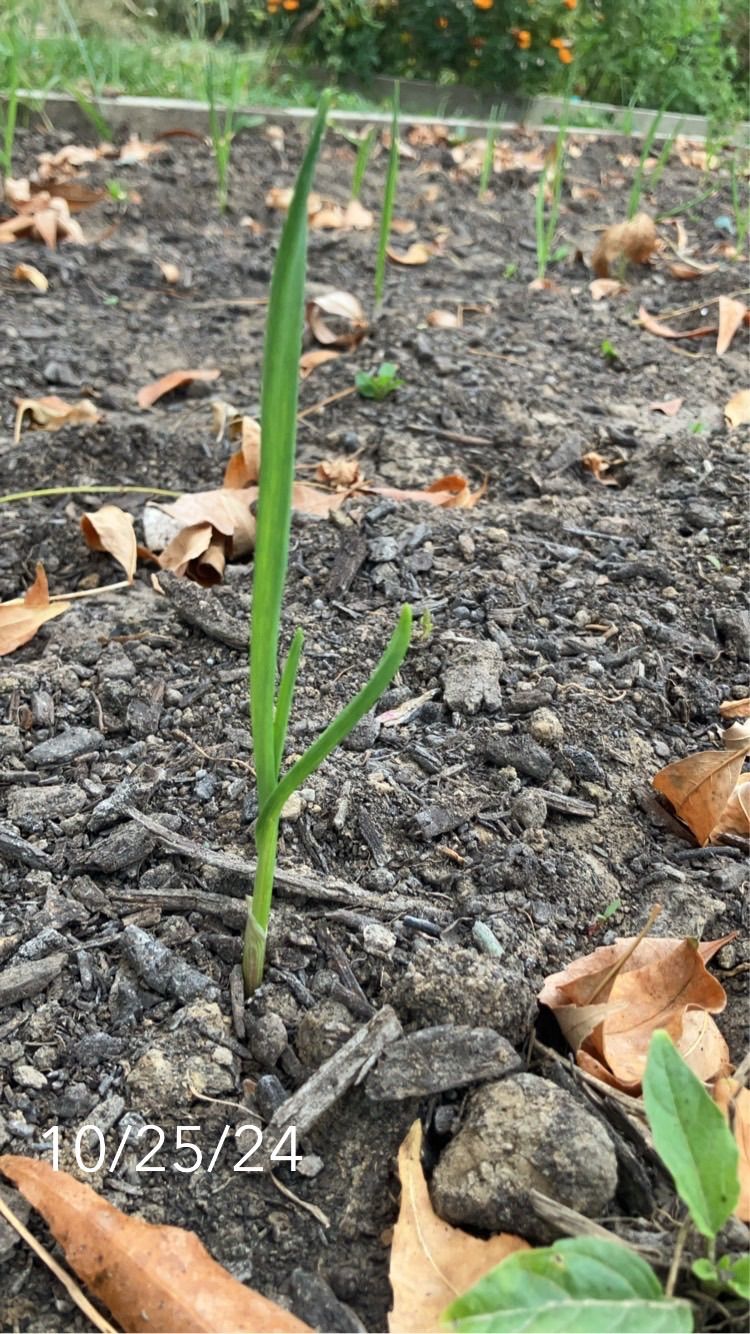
{"x": 700, "y": 786}
{"x": 317, "y": 356}
{"x": 432, "y": 1262}
{"x": 110, "y": 529}
{"x": 243, "y": 468}
{"x": 51, "y": 413}
{"x": 156, "y": 1278}
{"x": 451, "y": 492}
{"x": 737, "y": 410}
{"x": 417, "y": 253}
{"x": 602, "y": 288}
{"x": 731, "y": 315}
{"x": 669, "y": 406}
{"x": 735, "y": 708}
{"x": 26, "y": 273}
{"x": 19, "y": 621}
{"x": 166, "y": 384}
{"x": 662, "y": 330}
{"x": 734, "y": 1101}
{"x": 170, "y": 272}
{"x": 46, "y": 219}
{"x": 634, "y": 241}
{"x": 336, "y": 319}
{"x": 341, "y": 471}
{"x": 597, "y": 465}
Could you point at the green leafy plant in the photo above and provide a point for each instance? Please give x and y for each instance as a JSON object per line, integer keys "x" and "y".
{"x": 378, "y": 384}
{"x": 224, "y": 124}
{"x": 116, "y": 191}
{"x": 364, "y": 149}
{"x": 488, "y": 160}
{"x": 389, "y": 200}
{"x": 546, "y": 219}
{"x": 270, "y": 704}
{"x": 609, "y": 352}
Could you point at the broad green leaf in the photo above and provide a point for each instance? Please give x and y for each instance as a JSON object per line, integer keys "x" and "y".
{"x": 691, "y": 1136}
{"x": 582, "y": 1283}
{"x": 585, "y": 1317}
{"x": 734, "y": 1273}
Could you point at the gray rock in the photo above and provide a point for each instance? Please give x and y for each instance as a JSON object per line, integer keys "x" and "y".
{"x": 733, "y": 625}
{"x": 519, "y": 1135}
{"x": 27, "y": 1077}
{"x": 269, "y": 1095}
{"x": 267, "y": 1039}
{"x": 521, "y": 753}
{"x": 585, "y": 765}
{"x": 44, "y": 944}
{"x": 107, "y": 1113}
{"x": 66, "y": 746}
{"x": 161, "y": 970}
{"x": 470, "y": 679}
{"x": 96, "y": 1048}
{"x": 441, "y": 1058}
{"x": 322, "y": 1030}
{"x": 546, "y": 727}
{"x": 530, "y": 809}
{"x": 448, "y": 985}
{"x": 315, "y": 1302}
{"x": 10, "y": 741}
{"x": 364, "y": 735}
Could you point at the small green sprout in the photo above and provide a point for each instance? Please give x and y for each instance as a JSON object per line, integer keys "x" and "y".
{"x": 488, "y": 159}
{"x": 546, "y": 219}
{"x": 271, "y": 691}
{"x": 510, "y": 271}
{"x": 609, "y": 352}
{"x": 116, "y": 192}
{"x": 378, "y": 384}
{"x": 610, "y": 910}
{"x": 426, "y": 624}
{"x": 696, "y": 428}
{"x": 224, "y": 125}
{"x": 389, "y": 200}
{"x": 364, "y": 149}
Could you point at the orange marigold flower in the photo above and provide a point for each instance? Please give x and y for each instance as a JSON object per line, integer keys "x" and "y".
{"x": 570, "y": 4}
{"x": 565, "y": 55}
{"x": 484, "y": 4}
{"x": 523, "y": 38}
{"x": 441, "y": 23}
{"x": 291, "y": 4}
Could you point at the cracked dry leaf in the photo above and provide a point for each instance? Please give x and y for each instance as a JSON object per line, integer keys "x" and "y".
{"x": 26, "y": 273}
{"x": 243, "y": 467}
{"x": 336, "y": 319}
{"x": 634, "y": 241}
{"x": 417, "y": 253}
{"x": 699, "y": 787}
{"x": 731, "y": 315}
{"x": 734, "y": 1102}
{"x": 20, "y": 620}
{"x": 737, "y": 410}
{"x": 432, "y": 1263}
{"x": 735, "y": 708}
{"x": 166, "y": 384}
{"x": 111, "y": 530}
{"x": 602, "y": 288}
{"x": 52, "y": 413}
{"x": 156, "y": 1278}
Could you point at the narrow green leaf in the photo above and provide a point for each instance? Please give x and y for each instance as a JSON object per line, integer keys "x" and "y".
{"x": 583, "y": 1283}
{"x": 389, "y": 200}
{"x": 346, "y": 720}
{"x": 286, "y": 695}
{"x": 691, "y": 1136}
{"x": 279, "y": 434}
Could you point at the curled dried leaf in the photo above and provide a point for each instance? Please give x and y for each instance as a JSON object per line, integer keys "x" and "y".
{"x": 603, "y": 288}
{"x": 662, "y": 330}
{"x": 166, "y": 384}
{"x": 735, "y": 708}
{"x": 634, "y": 241}
{"x": 731, "y": 315}
{"x": 110, "y": 529}
{"x": 737, "y": 409}
{"x": 597, "y": 465}
{"x": 700, "y": 786}
{"x": 51, "y": 413}
{"x": 418, "y": 253}
{"x": 243, "y": 468}
{"x": 26, "y": 273}
{"x": 317, "y": 356}
{"x": 336, "y": 319}
{"x": 19, "y": 621}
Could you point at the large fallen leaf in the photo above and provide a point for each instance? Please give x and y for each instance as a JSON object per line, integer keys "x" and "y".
{"x": 432, "y": 1263}
{"x": 734, "y": 1101}
{"x": 45, "y": 219}
{"x": 700, "y": 786}
{"x": 26, "y": 273}
{"x": 52, "y": 413}
{"x": 166, "y": 384}
{"x": 417, "y": 253}
{"x": 634, "y": 241}
{"x": 336, "y": 319}
{"x": 19, "y": 621}
{"x": 662, "y": 330}
{"x": 735, "y": 708}
{"x": 737, "y": 410}
{"x": 735, "y": 818}
{"x": 731, "y": 315}
{"x": 110, "y": 529}
{"x": 608, "y": 1004}
{"x": 150, "y": 1277}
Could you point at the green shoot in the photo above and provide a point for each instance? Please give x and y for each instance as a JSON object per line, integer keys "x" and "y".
{"x": 609, "y": 352}
{"x": 11, "y": 113}
{"x": 91, "y": 112}
{"x": 364, "y": 149}
{"x": 378, "y": 384}
{"x": 636, "y": 189}
{"x": 740, "y": 210}
{"x": 546, "y": 220}
{"x": 116, "y": 192}
{"x": 488, "y": 161}
{"x": 224, "y": 125}
{"x": 270, "y": 708}
{"x": 389, "y": 200}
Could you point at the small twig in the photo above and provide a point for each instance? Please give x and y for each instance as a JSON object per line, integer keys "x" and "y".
{"x": 313, "y": 1209}
{"x": 679, "y": 1246}
{"x": 71, "y": 1287}
{"x": 317, "y": 407}
{"x": 457, "y": 437}
{"x": 80, "y": 593}
{"x": 87, "y": 491}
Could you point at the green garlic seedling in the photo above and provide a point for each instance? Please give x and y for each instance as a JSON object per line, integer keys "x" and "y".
{"x": 223, "y": 128}
{"x": 270, "y": 705}
{"x": 364, "y": 149}
{"x": 488, "y": 159}
{"x": 389, "y": 200}
{"x": 378, "y": 384}
{"x": 546, "y": 220}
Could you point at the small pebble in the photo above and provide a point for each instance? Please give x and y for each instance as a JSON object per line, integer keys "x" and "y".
{"x": 545, "y": 727}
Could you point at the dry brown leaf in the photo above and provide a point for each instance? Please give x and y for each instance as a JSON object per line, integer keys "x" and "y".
{"x": 737, "y": 734}
{"x": 661, "y": 330}
{"x": 166, "y": 384}
{"x": 700, "y": 786}
{"x": 444, "y": 319}
{"x": 341, "y": 471}
{"x": 51, "y": 413}
{"x": 403, "y": 226}
{"x": 735, "y": 708}
{"x": 544, "y": 285}
{"x": 26, "y": 273}
{"x": 357, "y": 216}
{"x": 669, "y": 406}
{"x": 110, "y": 529}
{"x": 735, "y": 818}
{"x": 318, "y": 356}
{"x": 279, "y": 197}
{"x": 684, "y": 271}
{"x": 19, "y": 621}
{"x": 330, "y": 217}
{"x": 432, "y": 1263}
{"x": 189, "y": 545}
{"x": 138, "y": 150}
{"x": 737, "y": 410}
{"x": 243, "y": 468}
{"x": 452, "y": 492}
{"x": 45, "y": 219}
{"x": 597, "y": 465}
{"x": 634, "y": 241}
{"x": 601, "y": 288}
{"x": 731, "y": 316}
{"x": 316, "y": 500}
{"x": 169, "y": 272}
{"x": 156, "y": 1278}
{"x": 76, "y": 195}
{"x": 418, "y": 253}
{"x": 734, "y": 1101}
{"x": 345, "y": 310}
{"x": 68, "y": 159}
{"x": 226, "y": 510}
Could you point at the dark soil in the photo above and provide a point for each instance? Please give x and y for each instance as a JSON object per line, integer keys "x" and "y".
{"x": 618, "y": 610}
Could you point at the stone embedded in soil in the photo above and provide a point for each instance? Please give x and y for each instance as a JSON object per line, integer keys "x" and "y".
{"x": 447, "y": 985}
{"x": 184, "y": 1060}
{"x": 322, "y": 1030}
{"x": 66, "y": 746}
{"x": 521, "y": 753}
{"x": 316, "y": 1303}
{"x": 128, "y": 845}
{"x": 529, "y": 808}
{"x": 441, "y": 1058}
{"x": 267, "y": 1039}
{"x": 27, "y": 1077}
{"x": 733, "y": 625}
{"x": 269, "y": 1095}
{"x": 162, "y": 970}
{"x": 523, "y": 1134}
{"x": 471, "y": 677}
{"x": 546, "y": 727}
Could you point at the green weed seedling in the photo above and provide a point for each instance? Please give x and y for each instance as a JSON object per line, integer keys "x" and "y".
{"x": 740, "y": 210}
{"x": 488, "y": 160}
{"x": 224, "y": 124}
{"x": 389, "y": 200}
{"x": 585, "y": 1285}
{"x": 546, "y": 219}
{"x": 116, "y": 192}
{"x": 378, "y": 384}
{"x": 271, "y": 691}
{"x": 609, "y": 352}
{"x": 364, "y": 149}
